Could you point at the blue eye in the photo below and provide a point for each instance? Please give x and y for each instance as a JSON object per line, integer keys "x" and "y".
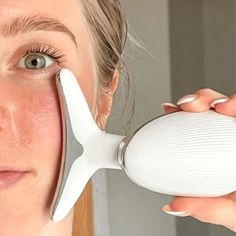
{"x": 35, "y": 61}
{"x": 41, "y": 56}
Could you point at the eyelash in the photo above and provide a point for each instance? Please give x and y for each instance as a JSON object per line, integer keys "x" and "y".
{"x": 48, "y": 51}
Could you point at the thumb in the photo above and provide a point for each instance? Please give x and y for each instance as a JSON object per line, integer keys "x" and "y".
{"x": 214, "y": 210}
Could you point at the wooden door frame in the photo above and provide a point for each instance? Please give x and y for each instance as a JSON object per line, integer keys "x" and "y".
{"x": 83, "y": 213}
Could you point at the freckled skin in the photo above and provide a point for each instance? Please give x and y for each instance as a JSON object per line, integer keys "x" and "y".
{"x": 30, "y": 123}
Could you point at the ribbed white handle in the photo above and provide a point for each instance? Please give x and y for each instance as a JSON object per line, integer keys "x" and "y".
{"x": 185, "y": 154}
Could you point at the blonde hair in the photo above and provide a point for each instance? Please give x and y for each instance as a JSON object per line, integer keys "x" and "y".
{"x": 108, "y": 29}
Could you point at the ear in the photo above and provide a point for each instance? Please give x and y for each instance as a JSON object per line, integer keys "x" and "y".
{"x": 104, "y": 101}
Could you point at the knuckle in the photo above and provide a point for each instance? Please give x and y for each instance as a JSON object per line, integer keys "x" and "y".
{"x": 205, "y": 90}
{"x": 231, "y": 227}
{"x": 231, "y": 222}
{"x": 203, "y": 218}
{"x": 196, "y": 107}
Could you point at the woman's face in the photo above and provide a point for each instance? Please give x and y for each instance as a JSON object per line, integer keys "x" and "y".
{"x": 30, "y": 123}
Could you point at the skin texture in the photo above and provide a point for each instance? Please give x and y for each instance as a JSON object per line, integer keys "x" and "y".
{"x": 214, "y": 210}
{"x": 30, "y": 123}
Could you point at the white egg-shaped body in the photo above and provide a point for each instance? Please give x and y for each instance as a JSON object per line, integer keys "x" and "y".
{"x": 184, "y": 154}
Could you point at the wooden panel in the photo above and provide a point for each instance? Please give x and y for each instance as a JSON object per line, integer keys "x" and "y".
{"x": 83, "y": 214}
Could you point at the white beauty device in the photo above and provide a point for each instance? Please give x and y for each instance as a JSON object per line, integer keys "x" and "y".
{"x": 182, "y": 153}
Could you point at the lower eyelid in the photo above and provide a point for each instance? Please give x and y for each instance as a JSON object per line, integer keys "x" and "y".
{"x": 24, "y": 71}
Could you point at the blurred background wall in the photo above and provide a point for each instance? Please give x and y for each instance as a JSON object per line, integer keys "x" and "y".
{"x": 190, "y": 45}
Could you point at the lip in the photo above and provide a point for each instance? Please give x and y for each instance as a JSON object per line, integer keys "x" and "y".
{"x": 10, "y": 177}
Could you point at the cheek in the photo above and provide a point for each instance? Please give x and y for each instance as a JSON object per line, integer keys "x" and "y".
{"x": 41, "y": 124}
{"x": 44, "y": 120}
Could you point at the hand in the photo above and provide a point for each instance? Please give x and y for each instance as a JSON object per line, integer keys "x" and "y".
{"x": 214, "y": 210}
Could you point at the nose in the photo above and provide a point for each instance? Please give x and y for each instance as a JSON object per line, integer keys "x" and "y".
{"x": 7, "y": 105}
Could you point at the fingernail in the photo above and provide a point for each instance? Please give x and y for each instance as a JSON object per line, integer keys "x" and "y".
{"x": 187, "y": 98}
{"x": 168, "y": 210}
{"x": 167, "y": 104}
{"x": 220, "y": 100}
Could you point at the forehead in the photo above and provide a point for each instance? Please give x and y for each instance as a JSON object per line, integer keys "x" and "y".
{"x": 69, "y": 12}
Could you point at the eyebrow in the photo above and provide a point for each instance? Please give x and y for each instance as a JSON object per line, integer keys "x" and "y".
{"x": 25, "y": 24}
